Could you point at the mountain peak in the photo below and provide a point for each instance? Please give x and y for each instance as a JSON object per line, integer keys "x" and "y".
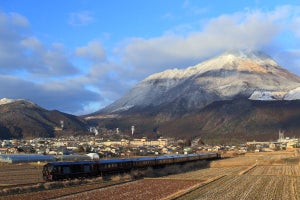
{"x": 8, "y": 101}
{"x": 248, "y": 54}
{"x": 241, "y": 60}
{"x": 254, "y": 56}
{"x": 233, "y": 74}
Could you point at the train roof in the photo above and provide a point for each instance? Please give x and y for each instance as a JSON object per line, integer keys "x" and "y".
{"x": 127, "y": 160}
{"x": 71, "y": 163}
{"x": 167, "y": 157}
{"x": 120, "y": 160}
{"x": 144, "y": 159}
{"x": 114, "y": 161}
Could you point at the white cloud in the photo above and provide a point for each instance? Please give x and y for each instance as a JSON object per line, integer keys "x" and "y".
{"x": 11, "y": 54}
{"x": 295, "y": 26}
{"x": 94, "y": 51}
{"x": 18, "y": 20}
{"x": 67, "y": 95}
{"x": 20, "y": 51}
{"x": 82, "y": 18}
{"x": 192, "y": 9}
{"x": 31, "y": 43}
{"x": 249, "y": 29}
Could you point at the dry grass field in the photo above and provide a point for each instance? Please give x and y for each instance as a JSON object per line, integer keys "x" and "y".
{"x": 272, "y": 175}
{"x": 17, "y": 174}
{"x": 248, "y": 187}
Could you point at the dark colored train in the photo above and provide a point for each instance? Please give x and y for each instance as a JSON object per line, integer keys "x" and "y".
{"x": 82, "y": 169}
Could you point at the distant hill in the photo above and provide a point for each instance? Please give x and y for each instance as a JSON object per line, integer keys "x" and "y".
{"x": 240, "y": 120}
{"x": 227, "y": 121}
{"x": 24, "y": 119}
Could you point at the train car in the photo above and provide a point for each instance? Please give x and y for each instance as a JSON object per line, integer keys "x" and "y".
{"x": 212, "y": 155}
{"x": 193, "y": 157}
{"x": 81, "y": 169}
{"x": 180, "y": 159}
{"x": 161, "y": 161}
{"x": 69, "y": 170}
{"x": 114, "y": 165}
{"x": 143, "y": 162}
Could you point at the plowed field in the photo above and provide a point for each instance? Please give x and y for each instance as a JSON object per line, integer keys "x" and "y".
{"x": 249, "y": 187}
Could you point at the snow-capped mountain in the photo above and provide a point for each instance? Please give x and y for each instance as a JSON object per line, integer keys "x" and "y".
{"x": 235, "y": 74}
{"x": 293, "y": 94}
{"x": 6, "y": 101}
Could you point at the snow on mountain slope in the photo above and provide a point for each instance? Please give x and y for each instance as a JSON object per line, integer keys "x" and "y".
{"x": 233, "y": 60}
{"x": 267, "y": 95}
{"x": 277, "y": 95}
{"x": 231, "y": 75}
{"x": 293, "y": 94}
{"x": 6, "y": 101}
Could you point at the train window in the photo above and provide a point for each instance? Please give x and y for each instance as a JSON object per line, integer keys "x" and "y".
{"x": 66, "y": 170}
{"x": 49, "y": 168}
{"x": 86, "y": 168}
{"x": 58, "y": 169}
{"x": 76, "y": 168}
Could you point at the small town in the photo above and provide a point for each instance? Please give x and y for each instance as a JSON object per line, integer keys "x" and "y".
{"x": 94, "y": 147}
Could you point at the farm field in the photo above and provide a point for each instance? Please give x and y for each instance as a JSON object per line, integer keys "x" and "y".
{"x": 272, "y": 175}
{"x": 138, "y": 190}
{"x": 16, "y": 174}
{"x": 249, "y": 187}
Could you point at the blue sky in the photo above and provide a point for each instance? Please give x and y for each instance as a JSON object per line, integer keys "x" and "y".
{"x": 78, "y": 56}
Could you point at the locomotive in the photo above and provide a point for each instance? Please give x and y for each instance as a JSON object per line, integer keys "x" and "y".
{"x": 82, "y": 169}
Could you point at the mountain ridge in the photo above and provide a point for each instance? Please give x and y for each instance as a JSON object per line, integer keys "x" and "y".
{"x": 24, "y": 119}
{"x": 231, "y": 75}
{"x": 237, "y": 96}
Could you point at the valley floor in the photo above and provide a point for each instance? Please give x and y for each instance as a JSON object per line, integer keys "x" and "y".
{"x": 274, "y": 175}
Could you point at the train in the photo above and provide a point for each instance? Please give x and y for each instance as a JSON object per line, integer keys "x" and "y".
{"x": 54, "y": 171}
